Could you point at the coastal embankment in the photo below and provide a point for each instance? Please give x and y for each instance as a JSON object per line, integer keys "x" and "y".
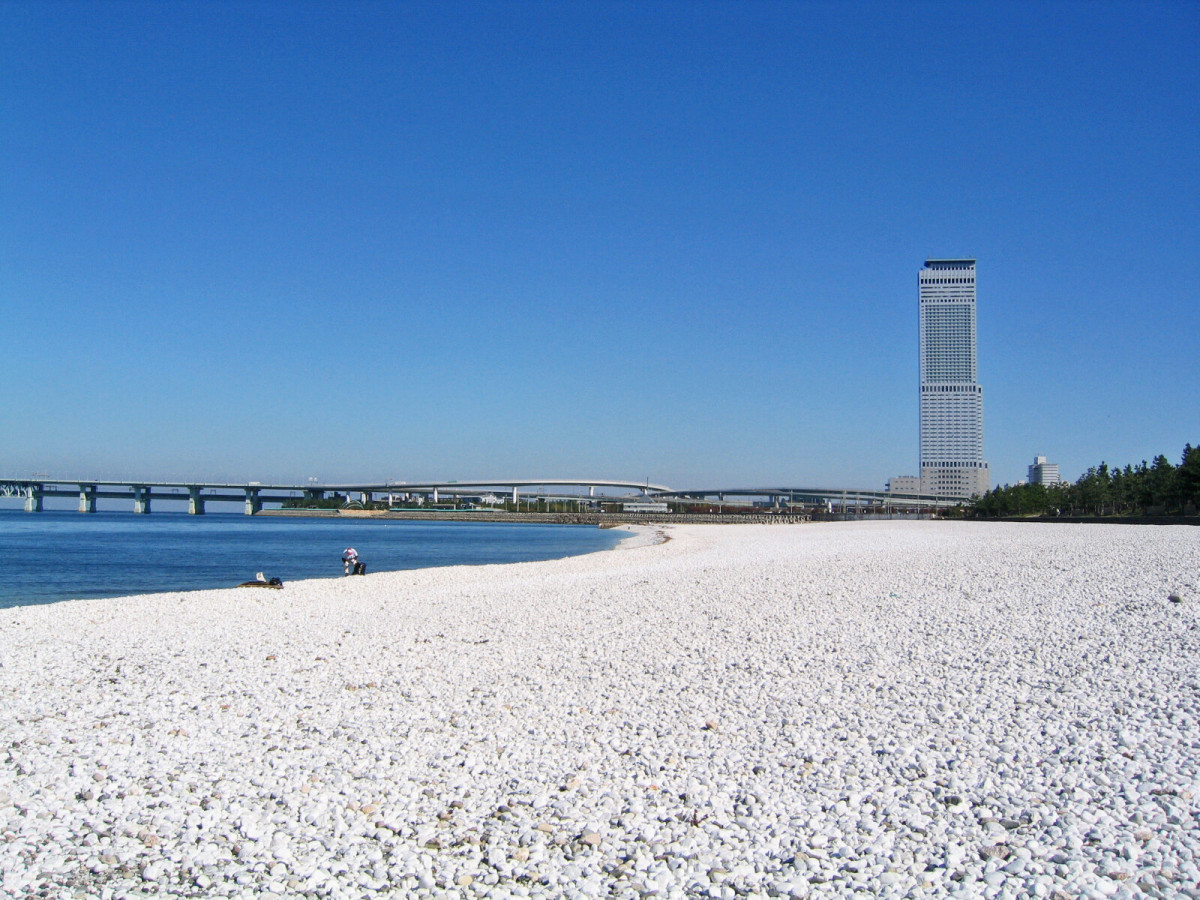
{"x": 603, "y": 519}
{"x": 895, "y": 709}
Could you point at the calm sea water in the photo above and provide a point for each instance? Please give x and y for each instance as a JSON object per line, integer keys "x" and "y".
{"x": 59, "y": 555}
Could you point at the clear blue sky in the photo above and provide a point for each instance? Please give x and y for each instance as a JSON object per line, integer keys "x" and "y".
{"x": 675, "y": 241}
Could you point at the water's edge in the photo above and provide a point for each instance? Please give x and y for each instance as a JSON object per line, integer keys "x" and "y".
{"x": 54, "y": 556}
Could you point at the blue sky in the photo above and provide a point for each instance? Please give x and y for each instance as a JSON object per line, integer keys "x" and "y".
{"x": 675, "y": 241}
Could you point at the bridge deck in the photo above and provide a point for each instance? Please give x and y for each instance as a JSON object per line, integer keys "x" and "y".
{"x": 254, "y": 494}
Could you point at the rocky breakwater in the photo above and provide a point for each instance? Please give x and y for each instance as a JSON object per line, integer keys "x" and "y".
{"x": 891, "y": 709}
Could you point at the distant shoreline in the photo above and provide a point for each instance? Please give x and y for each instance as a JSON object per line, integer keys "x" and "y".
{"x": 604, "y": 520}
{"x": 612, "y": 520}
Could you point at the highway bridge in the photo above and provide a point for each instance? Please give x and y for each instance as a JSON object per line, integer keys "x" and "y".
{"x": 254, "y": 494}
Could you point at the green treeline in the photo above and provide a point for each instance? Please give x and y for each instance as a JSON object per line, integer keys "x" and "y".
{"x": 311, "y": 503}
{"x": 1156, "y": 488}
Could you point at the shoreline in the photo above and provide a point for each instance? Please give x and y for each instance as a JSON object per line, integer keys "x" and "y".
{"x": 602, "y": 519}
{"x": 906, "y": 708}
{"x": 189, "y": 564}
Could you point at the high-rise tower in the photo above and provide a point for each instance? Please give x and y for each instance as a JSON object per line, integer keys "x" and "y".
{"x": 952, "y": 462}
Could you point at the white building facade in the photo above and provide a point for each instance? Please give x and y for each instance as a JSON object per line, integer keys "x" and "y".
{"x": 1042, "y": 472}
{"x": 904, "y": 484}
{"x": 952, "y": 462}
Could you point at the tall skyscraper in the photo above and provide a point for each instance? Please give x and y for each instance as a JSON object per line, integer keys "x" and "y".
{"x": 952, "y": 462}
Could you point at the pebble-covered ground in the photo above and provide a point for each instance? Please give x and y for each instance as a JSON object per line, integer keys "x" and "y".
{"x": 903, "y": 709}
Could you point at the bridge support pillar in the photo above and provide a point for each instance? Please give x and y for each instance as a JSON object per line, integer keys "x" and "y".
{"x": 141, "y": 499}
{"x": 33, "y": 499}
{"x": 435, "y": 495}
{"x": 195, "y": 502}
{"x": 311, "y": 496}
{"x": 253, "y": 502}
{"x": 87, "y": 498}
{"x": 516, "y": 497}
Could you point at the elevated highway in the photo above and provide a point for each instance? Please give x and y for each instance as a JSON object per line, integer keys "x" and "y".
{"x": 844, "y": 498}
{"x": 254, "y": 494}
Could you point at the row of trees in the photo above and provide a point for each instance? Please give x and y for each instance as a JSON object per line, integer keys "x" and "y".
{"x": 1156, "y": 488}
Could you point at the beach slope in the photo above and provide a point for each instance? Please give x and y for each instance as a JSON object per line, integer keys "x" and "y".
{"x": 900, "y": 708}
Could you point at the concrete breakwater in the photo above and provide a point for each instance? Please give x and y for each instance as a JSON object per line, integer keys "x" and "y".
{"x": 604, "y": 520}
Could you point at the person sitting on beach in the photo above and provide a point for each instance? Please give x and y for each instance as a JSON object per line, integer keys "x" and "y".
{"x": 349, "y": 559}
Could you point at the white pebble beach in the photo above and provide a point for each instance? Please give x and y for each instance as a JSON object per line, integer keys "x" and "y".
{"x": 901, "y": 709}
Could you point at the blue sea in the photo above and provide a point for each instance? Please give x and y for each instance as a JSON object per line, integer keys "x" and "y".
{"x": 60, "y": 555}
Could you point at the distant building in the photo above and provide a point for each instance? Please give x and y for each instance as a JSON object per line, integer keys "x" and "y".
{"x": 952, "y": 462}
{"x": 1042, "y": 472}
{"x": 643, "y": 506}
{"x": 904, "y": 484}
